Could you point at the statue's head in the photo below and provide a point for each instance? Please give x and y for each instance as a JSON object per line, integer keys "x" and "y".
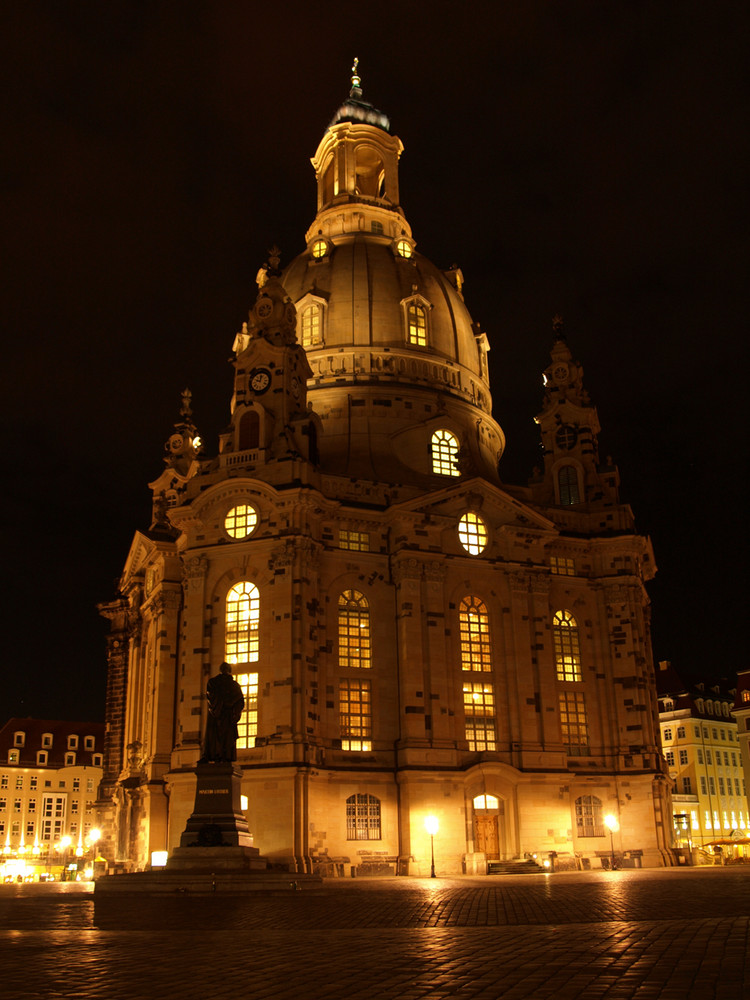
{"x": 225, "y": 669}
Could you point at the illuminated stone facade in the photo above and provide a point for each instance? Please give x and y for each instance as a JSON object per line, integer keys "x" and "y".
{"x": 413, "y": 636}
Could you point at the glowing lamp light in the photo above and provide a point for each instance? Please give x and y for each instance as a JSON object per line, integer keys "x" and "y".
{"x": 432, "y": 825}
{"x": 95, "y": 835}
{"x": 158, "y": 859}
{"x": 613, "y": 825}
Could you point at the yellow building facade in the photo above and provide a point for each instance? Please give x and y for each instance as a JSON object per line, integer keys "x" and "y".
{"x": 49, "y": 783}
{"x": 414, "y": 637}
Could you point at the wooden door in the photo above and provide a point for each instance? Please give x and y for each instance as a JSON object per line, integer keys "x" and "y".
{"x": 485, "y": 836}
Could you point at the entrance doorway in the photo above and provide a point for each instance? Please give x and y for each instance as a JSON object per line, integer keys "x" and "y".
{"x": 488, "y": 826}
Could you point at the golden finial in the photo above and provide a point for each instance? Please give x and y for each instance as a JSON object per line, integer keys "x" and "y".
{"x": 356, "y": 80}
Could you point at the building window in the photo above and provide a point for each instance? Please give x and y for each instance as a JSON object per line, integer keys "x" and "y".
{"x": 567, "y": 646}
{"x": 479, "y": 714}
{"x": 33, "y": 781}
{"x": 41, "y": 757}
{"x": 13, "y": 756}
{"x": 88, "y": 743}
{"x": 355, "y": 715}
{"x": 472, "y": 533}
{"x": 567, "y": 481}
{"x": 19, "y": 739}
{"x": 683, "y": 757}
{"x": 589, "y": 821}
{"x": 97, "y": 760}
{"x": 356, "y": 541}
{"x": 19, "y": 781}
{"x": 242, "y": 619}
{"x": 247, "y": 727}
{"x": 680, "y": 732}
{"x": 72, "y": 743}
{"x": 31, "y": 806}
{"x": 416, "y": 324}
{"x": 709, "y": 757}
{"x": 319, "y": 249}
{"x": 362, "y": 817}
{"x": 310, "y": 326}
{"x": 687, "y": 786}
{"x": 562, "y": 566}
{"x": 4, "y": 781}
{"x": 721, "y": 786}
{"x": 404, "y": 249}
{"x": 486, "y": 802}
{"x": 700, "y": 756}
{"x": 667, "y": 734}
{"x": 241, "y": 521}
{"x": 711, "y": 784}
{"x": 70, "y": 759}
{"x": 444, "y": 453}
{"x": 669, "y": 756}
{"x": 746, "y": 695}
{"x": 47, "y": 740}
{"x": 573, "y": 723}
{"x": 354, "y": 630}
{"x": 474, "y": 630}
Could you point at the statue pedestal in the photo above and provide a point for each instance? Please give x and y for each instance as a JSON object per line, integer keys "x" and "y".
{"x": 216, "y": 835}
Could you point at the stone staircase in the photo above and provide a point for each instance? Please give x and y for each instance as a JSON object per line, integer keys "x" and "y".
{"x": 527, "y": 866}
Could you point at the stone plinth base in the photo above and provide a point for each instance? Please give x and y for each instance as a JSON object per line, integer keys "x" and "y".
{"x": 201, "y": 883}
{"x": 217, "y": 820}
{"x": 216, "y": 859}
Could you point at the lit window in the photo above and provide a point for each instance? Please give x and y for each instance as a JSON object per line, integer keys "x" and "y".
{"x": 562, "y": 566}
{"x": 355, "y": 715}
{"x": 354, "y": 630}
{"x": 444, "y": 453}
{"x": 472, "y": 533}
{"x": 19, "y": 781}
{"x": 746, "y": 695}
{"x": 416, "y": 325}
{"x": 573, "y": 724}
{"x": 567, "y": 480}
{"x": 567, "y": 646}
{"x": 13, "y": 756}
{"x": 589, "y": 822}
{"x": 486, "y": 802}
{"x": 319, "y": 249}
{"x": 310, "y": 326}
{"x": 241, "y": 521}
{"x": 404, "y": 249}
{"x": 242, "y": 618}
{"x": 362, "y": 817}
{"x": 247, "y": 727}
{"x": 474, "y": 629}
{"x": 356, "y": 541}
{"x": 479, "y": 714}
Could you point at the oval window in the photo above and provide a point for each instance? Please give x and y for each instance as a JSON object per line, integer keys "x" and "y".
{"x": 241, "y": 521}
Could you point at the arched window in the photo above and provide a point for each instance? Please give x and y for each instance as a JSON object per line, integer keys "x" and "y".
{"x": 567, "y": 647}
{"x": 310, "y": 326}
{"x": 242, "y": 618}
{"x": 567, "y": 481}
{"x": 479, "y": 715}
{"x": 589, "y": 822}
{"x": 362, "y": 817}
{"x": 354, "y": 630}
{"x": 416, "y": 324}
{"x": 474, "y": 629}
{"x": 486, "y": 802}
{"x": 249, "y": 436}
{"x": 444, "y": 453}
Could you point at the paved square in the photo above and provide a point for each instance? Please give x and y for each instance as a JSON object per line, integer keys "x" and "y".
{"x": 673, "y": 935}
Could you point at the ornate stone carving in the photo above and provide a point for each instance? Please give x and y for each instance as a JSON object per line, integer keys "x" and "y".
{"x": 194, "y": 571}
{"x": 406, "y": 568}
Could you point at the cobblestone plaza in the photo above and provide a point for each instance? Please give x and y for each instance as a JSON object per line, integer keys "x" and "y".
{"x": 670, "y": 934}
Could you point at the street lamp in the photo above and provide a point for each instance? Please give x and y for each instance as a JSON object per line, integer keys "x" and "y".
{"x": 613, "y": 826}
{"x": 432, "y": 826}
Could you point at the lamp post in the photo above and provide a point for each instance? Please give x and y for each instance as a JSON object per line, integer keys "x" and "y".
{"x": 432, "y": 826}
{"x": 613, "y": 826}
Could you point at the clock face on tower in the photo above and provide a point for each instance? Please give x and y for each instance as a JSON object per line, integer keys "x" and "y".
{"x": 260, "y": 379}
{"x": 560, "y": 373}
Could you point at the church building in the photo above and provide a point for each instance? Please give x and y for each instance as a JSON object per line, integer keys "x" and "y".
{"x": 416, "y": 640}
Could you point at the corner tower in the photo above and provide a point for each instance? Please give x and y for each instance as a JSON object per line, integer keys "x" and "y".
{"x": 394, "y": 353}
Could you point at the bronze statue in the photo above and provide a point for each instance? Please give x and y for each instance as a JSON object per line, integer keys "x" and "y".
{"x": 225, "y": 704}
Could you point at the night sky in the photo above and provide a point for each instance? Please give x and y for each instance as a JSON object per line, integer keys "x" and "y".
{"x": 587, "y": 159}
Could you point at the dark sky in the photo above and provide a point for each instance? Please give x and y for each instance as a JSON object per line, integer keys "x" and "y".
{"x": 589, "y": 159}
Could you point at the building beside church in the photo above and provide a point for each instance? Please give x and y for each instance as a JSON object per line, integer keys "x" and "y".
{"x": 414, "y": 637}
{"x": 704, "y": 742}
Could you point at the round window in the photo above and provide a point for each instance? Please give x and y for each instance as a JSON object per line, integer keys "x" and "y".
{"x": 319, "y": 249}
{"x": 241, "y": 521}
{"x": 472, "y": 533}
{"x": 404, "y": 248}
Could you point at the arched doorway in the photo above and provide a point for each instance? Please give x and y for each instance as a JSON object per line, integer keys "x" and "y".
{"x": 489, "y": 826}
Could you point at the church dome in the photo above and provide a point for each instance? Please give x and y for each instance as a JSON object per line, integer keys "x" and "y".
{"x": 393, "y": 349}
